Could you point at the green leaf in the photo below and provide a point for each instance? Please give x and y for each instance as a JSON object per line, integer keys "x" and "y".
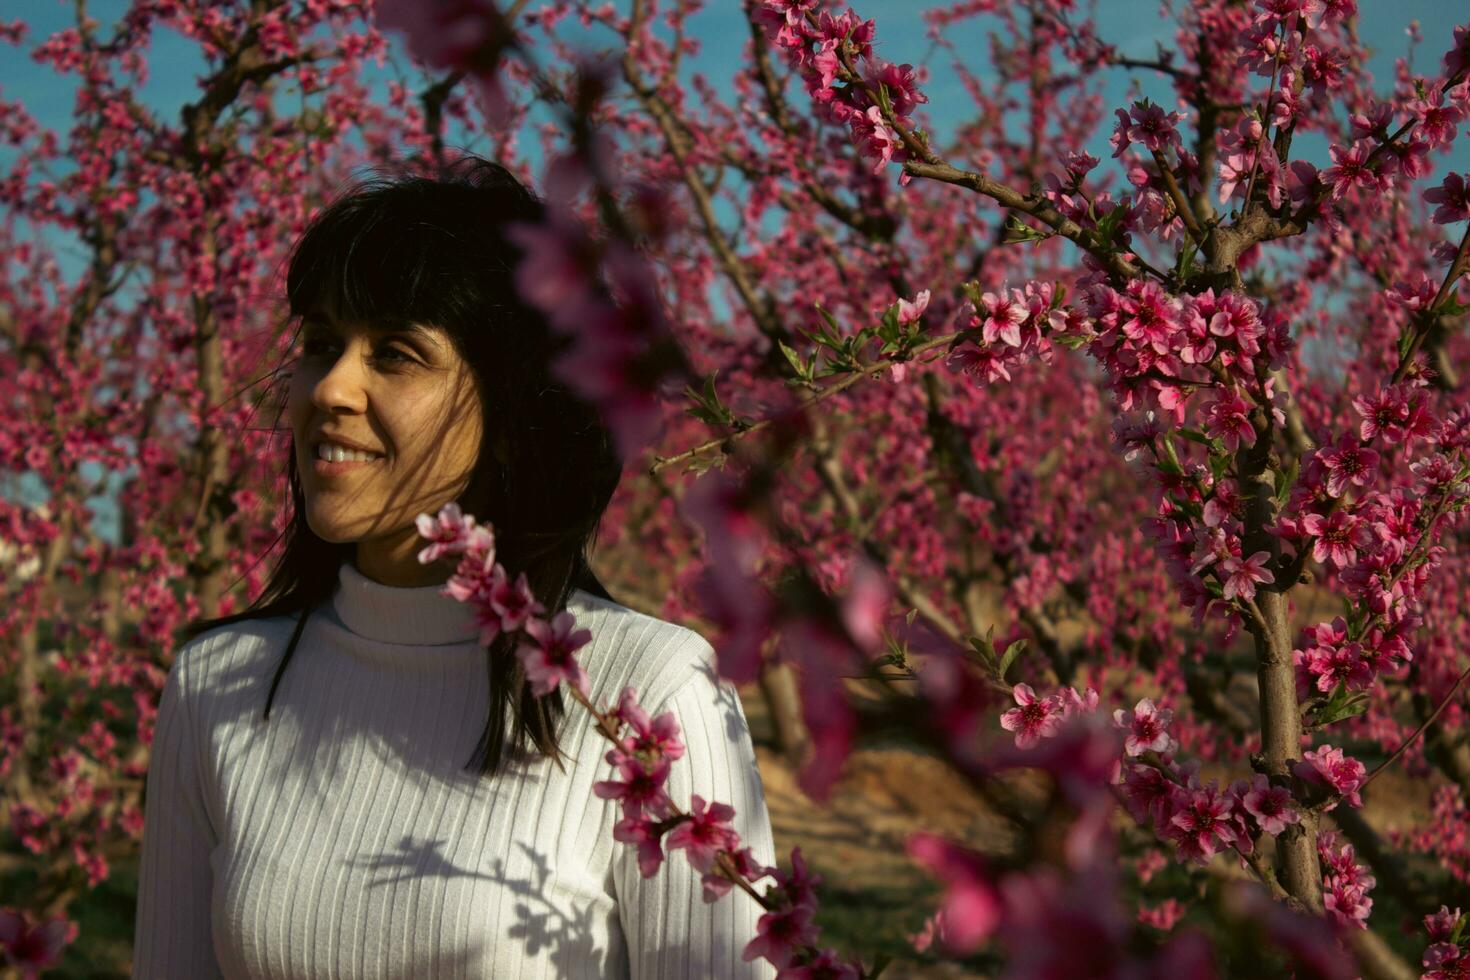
{"x": 1195, "y": 435}
{"x": 1017, "y": 231}
{"x": 1406, "y": 340}
{"x": 707, "y": 407}
{"x": 1170, "y": 462}
{"x": 1342, "y": 705}
{"x": 1107, "y": 225}
{"x": 794, "y": 359}
{"x": 1285, "y": 481}
{"x": 1009, "y": 657}
{"x": 883, "y": 99}
{"x": 700, "y": 464}
{"x": 880, "y": 963}
{"x": 1184, "y": 265}
{"x": 985, "y": 649}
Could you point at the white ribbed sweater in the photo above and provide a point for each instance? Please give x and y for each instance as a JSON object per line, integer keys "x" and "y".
{"x": 343, "y": 837}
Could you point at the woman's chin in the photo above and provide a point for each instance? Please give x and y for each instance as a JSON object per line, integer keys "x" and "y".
{"x": 333, "y": 531}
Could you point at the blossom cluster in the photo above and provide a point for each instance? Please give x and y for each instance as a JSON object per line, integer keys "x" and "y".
{"x": 500, "y": 605}
{"x": 644, "y": 747}
{"x": 1446, "y": 957}
{"x": 1199, "y": 819}
{"x": 1376, "y": 540}
{"x": 1292, "y": 45}
{"x": 1345, "y": 883}
{"x": 813, "y": 43}
{"x": 1025, "y": 908}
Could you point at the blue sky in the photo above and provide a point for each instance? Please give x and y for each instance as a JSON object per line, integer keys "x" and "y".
{"x": 1134, "y": 26}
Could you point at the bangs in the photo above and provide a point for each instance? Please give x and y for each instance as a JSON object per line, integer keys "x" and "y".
{"x": 379, "y": 259}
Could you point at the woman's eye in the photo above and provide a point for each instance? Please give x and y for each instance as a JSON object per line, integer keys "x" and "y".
{"x": 397, "y": 353}
{"x": 315, "y": 346}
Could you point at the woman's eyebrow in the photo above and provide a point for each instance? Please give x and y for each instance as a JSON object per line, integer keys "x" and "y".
{"x": 416, "y": 331}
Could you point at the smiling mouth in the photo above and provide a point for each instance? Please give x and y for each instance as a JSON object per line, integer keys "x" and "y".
{"x": 329, "y": 452}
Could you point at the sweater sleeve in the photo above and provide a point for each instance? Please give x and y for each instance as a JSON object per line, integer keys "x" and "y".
{"x": 172, "y": 930}
{"x": 671, "y": 932}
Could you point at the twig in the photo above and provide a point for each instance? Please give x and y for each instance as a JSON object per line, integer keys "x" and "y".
{"x": 867, "y": 370}
{"x": 1417, "y": 732}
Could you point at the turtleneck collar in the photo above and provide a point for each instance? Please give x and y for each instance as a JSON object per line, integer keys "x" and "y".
{"x": 418, "y": 616}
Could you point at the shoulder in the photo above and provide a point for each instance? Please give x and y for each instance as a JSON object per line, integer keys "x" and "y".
{"x": 204, "y": 661}
{"x": 655, "y": 657}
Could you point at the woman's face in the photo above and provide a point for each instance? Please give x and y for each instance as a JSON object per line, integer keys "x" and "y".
{"x": 406, "y": 396}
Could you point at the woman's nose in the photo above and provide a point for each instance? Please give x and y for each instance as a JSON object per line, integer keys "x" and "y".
{"x": 342, "y": 389}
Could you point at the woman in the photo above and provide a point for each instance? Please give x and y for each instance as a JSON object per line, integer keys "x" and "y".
{"x": 339, "y": 831}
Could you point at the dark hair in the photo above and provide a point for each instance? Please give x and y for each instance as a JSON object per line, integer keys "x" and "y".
{"x": 433, "y": 249}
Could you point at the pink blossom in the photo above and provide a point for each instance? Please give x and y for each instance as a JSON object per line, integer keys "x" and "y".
{"x": 717, "y": 885}
{"x": 1457, "y": 58}
{"x": 705, "y": 833}
{"x": 957, "y": 700}
{"x": 1074, "y": 704}
{"x": 514, "y": 603}
{"x": 1324, "y": 667}
{"x": 1227, "y": 418}
{"x": 447, "y": 532}
{"x": 1270, "y": 805}
{"x": 642, "y": 831}
{"x": 1153, "y": 127}
{"x": 1350, "y": 169}
{"x": 822, "y": 657}
{"x": 972, "y": 906}
{"x": 1241, "y": 576}
{"x": 442, "y": 33}
{"x": 932, "y": 929}
{"x": 877, "y": 140}
{"x": 1440, "y": 926}
{"x": 550, "y": 659}
{"x": 989, "y": 363}
{"x": 1148, "y": 794}
{"x": 652, "y": 737}
{"x": 1004, "y": 315}
{"x": 1202, "y": 824}
{"x": 824, "y": 966}
{"x": 1147, "y": 728}
{"x": 902, "y": 84}
{"x": 1149, "y": 315}
{"x": 1388, "y": 414}
{"x": 866, "y": 605}
{"x": 1145, "y": 122}
{"x": 1453, "y": 198}
{"x": 33, "y": 948}
{"x": 1163, "y": 916}
{"x": 557, "y": 266}
{"x": 1329, "y": 766}
{"x": 641, "y": 786}
{"x": 1437, "y": 121}
{"x": 1445, "y": 961}
{"x": 910, "y": 312}
{"x": 1347, "y": 462}
{"x": 1338, "y": 537}
{"x": 780, "y": 933}
{"x": 1034, "y": 719}
{"x": 1347, "y": 903}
